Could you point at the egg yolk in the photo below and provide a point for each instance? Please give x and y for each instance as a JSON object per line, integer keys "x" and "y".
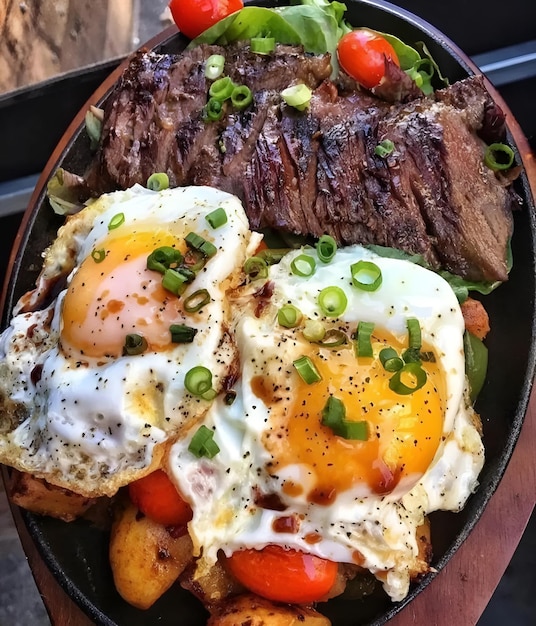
{"x": 117, "y": 295}
{"x": 404, "y": 431}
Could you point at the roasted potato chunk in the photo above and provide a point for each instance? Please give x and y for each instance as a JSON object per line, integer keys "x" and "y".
{"x": 38, "y": 496}
{"x": 146, "y": 559}
{"x": 252, "y": 610}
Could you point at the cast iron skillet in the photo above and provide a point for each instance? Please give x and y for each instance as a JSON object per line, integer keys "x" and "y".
{"x": 77, "y": 553}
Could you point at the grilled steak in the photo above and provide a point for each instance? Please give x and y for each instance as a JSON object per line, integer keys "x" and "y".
{"x": 317, "y": 171}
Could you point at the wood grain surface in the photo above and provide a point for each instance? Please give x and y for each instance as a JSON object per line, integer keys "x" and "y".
{"x": 460, "y": 592}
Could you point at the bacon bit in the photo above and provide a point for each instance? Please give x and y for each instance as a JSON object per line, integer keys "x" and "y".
{"x": 270, "y": 501}
{"x": 263, "y": 295}
{"x": 286, "y": 524}
{"x": 35, "y": 375}
{"x": 475, "y": 317}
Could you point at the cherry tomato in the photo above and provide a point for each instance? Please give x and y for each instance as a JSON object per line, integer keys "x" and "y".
{"x": 283, "y": 575}
{"x": 362, "y": 56}
{"x": 195, "y": 16}
{"x": 156, "y": 496}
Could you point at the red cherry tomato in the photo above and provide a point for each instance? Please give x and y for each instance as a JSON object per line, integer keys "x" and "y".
{"x": 362, "y": 56}
{"x": 283, "y": 575}
{"x": 195, "y": 16}
{"x": 157, "y": 498}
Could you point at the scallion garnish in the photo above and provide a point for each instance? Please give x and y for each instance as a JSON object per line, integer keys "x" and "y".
{"x": 203, "y": 444}
{"x": 408, "y": 379}
{"x": 221, "y": 89}
{"x": 262, "y": 45}
{"x": 366, "y": 275}
{"x": 414, "y": 333}
{"x": 273, "y": 255}
{"x": 289, "y": 316}
{"x": 384, "y": 148}
{"x": 195, "y": 241}
{"x": 198, "y": 382}
{"x": 326, "y": 247}
{"x": 332, "y": 301}
{"x": 499, "y": 156}
{"x": 214, "y": 66}
{"x": 363, "y": 339}
{"x": 158, "y": 181}
{"x": 196, "y": 301}
{"x": 163, "y": 258}
{"x": 256, "y": 267}
{"x": 216, "y": 218}
{"x": 180, "y": 333}
{"x": 213, "y": 110}
{"x": 333, "y": 338}
{"x": 174, "y": 281}
{"x": 241, "y": 97}
{"x": 297, "y": 96}
{"x": 307, "y": 370}
{"x": 390, "y": 360}
{"x": 134, "y": 344}
{"x": 334, "y": 417}
{"x": 116, "y": 221}
{"x": 98, "y": 255}
{"x": 314, "y": 331}
{"x": 303, "y": 265}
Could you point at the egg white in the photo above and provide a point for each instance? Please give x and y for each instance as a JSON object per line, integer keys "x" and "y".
{"x": 92, "y": 425}
{"x": 381, "y": 529}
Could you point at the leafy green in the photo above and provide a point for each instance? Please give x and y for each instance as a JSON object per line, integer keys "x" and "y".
{"x": 459, "y": 285}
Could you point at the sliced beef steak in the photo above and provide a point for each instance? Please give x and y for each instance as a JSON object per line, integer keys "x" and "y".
{"x": 317, "y": 171}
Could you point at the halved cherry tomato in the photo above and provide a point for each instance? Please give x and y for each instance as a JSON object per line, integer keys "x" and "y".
{"x": 283, "y": 575}
{"x": 195, "y": 16}
{"x": 156, "y": 496}
{"x": 362, "y": 56}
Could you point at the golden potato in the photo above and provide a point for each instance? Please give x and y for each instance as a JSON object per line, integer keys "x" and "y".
{"x": 145, "y": 558}
{"x": 251, "y": 610}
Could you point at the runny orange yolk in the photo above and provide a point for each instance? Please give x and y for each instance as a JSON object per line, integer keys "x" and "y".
{"x": 404, "y": 430}
{"x": 118, "y": 296}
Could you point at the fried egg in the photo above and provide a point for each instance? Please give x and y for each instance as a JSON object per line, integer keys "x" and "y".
{"x": 283, "y": 476}
{"x": 83, "y": 410}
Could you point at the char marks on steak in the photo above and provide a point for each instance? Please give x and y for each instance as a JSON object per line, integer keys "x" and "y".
{"x": 316, "y": 171}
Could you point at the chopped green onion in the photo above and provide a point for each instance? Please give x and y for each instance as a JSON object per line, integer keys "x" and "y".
{"x": 390, "y": 360}
{"x": 216, "y": 218}
{"x": 289, "y": 316}
{"x": 326, "y": 247}
{"x": 134, "y": 344}
{"x": 98, "y": 255}
{"x": 332, "y": 301}
{"x": 221, "y": 89}
{"x": 262, "y": 45}
{"x": 366, "y": 275}
{"x": 499, "y": 156}
{"x": 408, "y": 379}
{"x": 203, "y": 444}
{"x": 334, "y": 417}
{"x": 198, "y": 382}
{"x": 303, "y": 265}
{"x": 163, "y": 258}
{"x": 194, "y": 260}
{"x": 158, "y": 181}
{"x": 314, "y": 330}
{"x": 364, "y": 343}
{"x": 116, "y": 221}
{"x": 414, "y": 332}
{"x": 273, "y": 255}
{"x": 241, "y": 97}
{"x": 333, "y": 338}
{"x": 307, "y": 370}
{"x": 197, "y": 242}
{"x": 214, "y": 66}
{"x": 180, "y": 333}
{"x": 213, "y": 110}
{"x": 297, "y": 96}
{"x": 256, "y": 267}
{"x": 195, "y": 302}
{"x": 384, "y": 148}
{"x": 174, "y": 281}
